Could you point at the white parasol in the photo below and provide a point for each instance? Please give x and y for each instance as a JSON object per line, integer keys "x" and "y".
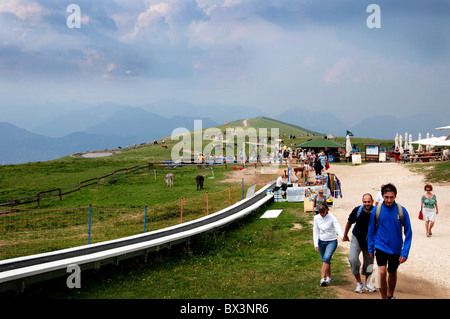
{"x": 406, "y": 147}
{"x": 411, "y": 147}
{"x": 396, "y": 140}
{"x": 433, "y": 141}
{"x": 400, "y": 144}
{"x": 348, "y": 146}
{"x": 420, "y": 148}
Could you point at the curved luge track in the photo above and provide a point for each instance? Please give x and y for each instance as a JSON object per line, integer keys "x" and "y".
{"x": 14, "y": 273}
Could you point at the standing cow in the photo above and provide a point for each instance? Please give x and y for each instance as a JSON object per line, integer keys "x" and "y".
{"x": 199, "y": 180}
{"x": 169, "y": 180}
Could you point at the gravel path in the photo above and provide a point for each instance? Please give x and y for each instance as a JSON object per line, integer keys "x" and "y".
{"x": 425, "y": 273}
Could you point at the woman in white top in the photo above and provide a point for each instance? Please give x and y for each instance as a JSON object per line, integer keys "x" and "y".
{"x": 325, "y": 242}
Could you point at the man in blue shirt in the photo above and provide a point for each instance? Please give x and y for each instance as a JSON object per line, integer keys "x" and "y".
{"x": 385, "y": 239}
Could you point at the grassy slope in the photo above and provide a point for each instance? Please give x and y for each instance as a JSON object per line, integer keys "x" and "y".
{"x": 27, "y": 179}
{"x": 264, "y": 122}
{"x": 258, "y": 259}
{"x": 255, "y": 258}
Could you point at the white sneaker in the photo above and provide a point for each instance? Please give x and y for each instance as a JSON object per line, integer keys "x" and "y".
{"x": 369, "y": 287}
{"x": 323, "y": 283}
{"x": 328, "y": 280}
{"x": 359, "y": 287}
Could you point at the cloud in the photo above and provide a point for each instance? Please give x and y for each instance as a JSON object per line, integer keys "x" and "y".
{"x": 308, "y": 61}
{"x": 25, "y": 10}
{"x": 154, "y": 19}
{"x": 339, "y": 69}
{"x": 160, "y": 22}
{"x": 280, "y": 53}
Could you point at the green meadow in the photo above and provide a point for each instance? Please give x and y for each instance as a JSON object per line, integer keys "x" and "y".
{"x": 252, "y": 258}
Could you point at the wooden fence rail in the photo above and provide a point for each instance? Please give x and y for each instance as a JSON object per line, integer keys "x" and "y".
{"x": 60, "y": 192}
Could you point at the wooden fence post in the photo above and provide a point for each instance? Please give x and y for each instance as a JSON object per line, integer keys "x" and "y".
{"x": 181, "y": 215}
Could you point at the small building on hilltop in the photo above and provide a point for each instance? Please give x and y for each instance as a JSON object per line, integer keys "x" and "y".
{"x": 331, "y": 148}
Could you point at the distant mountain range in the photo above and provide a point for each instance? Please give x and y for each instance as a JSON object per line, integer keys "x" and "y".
{"x": 76, "y": 128}
{"x": 107, "y": 127}
{"x": 110, "y": 119}
{"x": 374, "y": 126}
{"x": 21, "y": 146}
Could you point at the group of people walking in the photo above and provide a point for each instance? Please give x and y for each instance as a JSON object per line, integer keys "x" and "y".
{"x": 381, "y": 231}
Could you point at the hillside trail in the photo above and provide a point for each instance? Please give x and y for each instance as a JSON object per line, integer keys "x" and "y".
{"x": 425, "y": 274}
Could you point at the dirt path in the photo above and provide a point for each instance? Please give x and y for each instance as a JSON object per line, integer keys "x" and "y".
{"x": 424, "y": 275}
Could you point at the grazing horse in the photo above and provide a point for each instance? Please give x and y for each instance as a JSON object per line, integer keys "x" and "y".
{"x": 445, "y": 154}
{"x": 199, "y": 180}
{"x": 169, "y": 180}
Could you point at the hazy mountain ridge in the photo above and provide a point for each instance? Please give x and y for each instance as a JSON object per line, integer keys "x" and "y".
{"x": 110, "y": 125}
{"x": 219, "y": 113}
{"x": 107, "y": 126}
{"x": 89, "y": 119}
{"x": 385, "y": 126}
{"x": 21, "y": 146}
{"x": 374, "y": 126}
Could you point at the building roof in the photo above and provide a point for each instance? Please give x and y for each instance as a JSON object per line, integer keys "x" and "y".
{"x": 320, "y": 143}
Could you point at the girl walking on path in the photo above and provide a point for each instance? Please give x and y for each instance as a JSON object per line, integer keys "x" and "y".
{"x": 429, "y": 208}
{"x": 325, "y": 242}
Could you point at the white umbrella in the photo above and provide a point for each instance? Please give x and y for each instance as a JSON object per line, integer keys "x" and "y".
{"x": 411, "y": 148}
{"x": 428, "y": 145}
{"x": 406, "y": 142}
{"x": 396, "y": 140}
{"x": 420, "y": 148}
{"x": 445, "y": 128}
{"x": 444, "y": 143}
{"x": 348, "y": 146}
{"x": 400, "y": 143}
{"x": 434, "y": 141}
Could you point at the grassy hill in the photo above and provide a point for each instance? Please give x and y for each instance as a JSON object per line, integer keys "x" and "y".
{"x": 257, "y": 258}
{"x": 27, "y": 179}
{"x": 264, "y": 122}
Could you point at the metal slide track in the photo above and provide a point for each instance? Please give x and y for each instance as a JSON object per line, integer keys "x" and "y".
{"x": 15, "y": 273}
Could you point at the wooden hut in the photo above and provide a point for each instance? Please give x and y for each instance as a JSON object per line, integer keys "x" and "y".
{"x": 323, "y": 144}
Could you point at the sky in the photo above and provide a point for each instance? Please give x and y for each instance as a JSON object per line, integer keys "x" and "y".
{"x": 267, "y": 54}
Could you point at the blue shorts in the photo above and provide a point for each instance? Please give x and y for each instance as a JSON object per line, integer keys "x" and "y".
{"x": 327, "y": 249}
